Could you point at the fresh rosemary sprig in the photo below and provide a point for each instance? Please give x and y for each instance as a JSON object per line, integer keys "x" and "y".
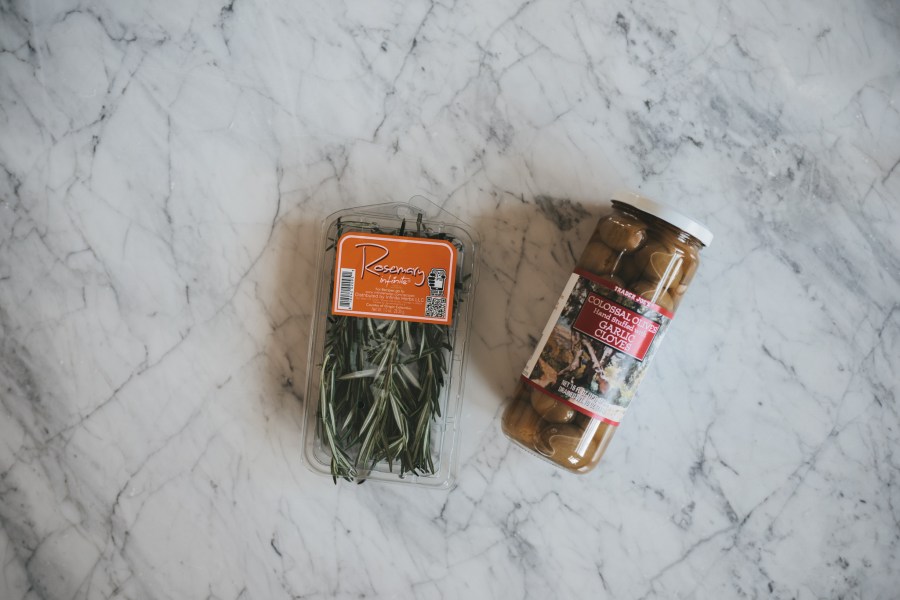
{"x": 381, "y": 383}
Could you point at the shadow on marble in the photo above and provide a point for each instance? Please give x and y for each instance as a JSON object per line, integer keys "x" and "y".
{"x": 289, "y": 300}
{"x": 528, "y": 249}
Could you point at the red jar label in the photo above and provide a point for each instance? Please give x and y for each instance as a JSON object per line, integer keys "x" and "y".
{"x": 596, "y": 347}
{"x": 616, "y": 326}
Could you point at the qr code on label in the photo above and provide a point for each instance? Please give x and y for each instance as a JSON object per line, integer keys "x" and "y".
{"x": 436, "y": 307}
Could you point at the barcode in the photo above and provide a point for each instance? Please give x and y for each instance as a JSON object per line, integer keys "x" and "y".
{"x": 345, "y": 289}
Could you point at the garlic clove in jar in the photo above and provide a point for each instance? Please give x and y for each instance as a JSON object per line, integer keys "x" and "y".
{"x": 620, "y": 232}
{"x": 550, "y": 409}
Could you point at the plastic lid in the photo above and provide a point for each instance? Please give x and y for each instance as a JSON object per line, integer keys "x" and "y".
{"x": 669, "y": 215}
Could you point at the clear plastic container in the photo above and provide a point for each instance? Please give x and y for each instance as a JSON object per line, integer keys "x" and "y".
{"x": 605, "y": 329}
{"x": 386, "y": 370}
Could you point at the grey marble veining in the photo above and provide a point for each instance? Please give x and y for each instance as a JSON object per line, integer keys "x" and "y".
{"x": 163, "y": 170}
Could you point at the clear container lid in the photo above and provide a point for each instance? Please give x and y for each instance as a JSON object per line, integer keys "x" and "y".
{"x": 445, "y": 427}
{"x": 667, "y": 214}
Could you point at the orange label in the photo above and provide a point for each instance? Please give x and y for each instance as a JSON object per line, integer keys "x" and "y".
{"x": 394, "y": 277}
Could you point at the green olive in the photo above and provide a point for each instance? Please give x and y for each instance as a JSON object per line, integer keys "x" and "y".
{"x": 663, "y": 263}
{"x": 520, "y": 421}
{"x": 632, "y": 266}
{"x": 551, "y": 410}
{"x": 541, "y": 402}
{"x": 621, "y": 232}
{"x": 654, "y": 292}
{"x": 599, "y": 258}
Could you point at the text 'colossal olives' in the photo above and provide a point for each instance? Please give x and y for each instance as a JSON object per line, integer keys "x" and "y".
{"x": 605, "y": 328}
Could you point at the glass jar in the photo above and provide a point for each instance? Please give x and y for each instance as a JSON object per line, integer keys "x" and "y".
{"x": 604, "y": 331}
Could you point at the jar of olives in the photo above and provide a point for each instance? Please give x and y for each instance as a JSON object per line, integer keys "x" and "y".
{"x": 604, "y": 330}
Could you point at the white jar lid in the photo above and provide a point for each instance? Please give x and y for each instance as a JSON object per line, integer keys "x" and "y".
{"x": 669, "y": 215}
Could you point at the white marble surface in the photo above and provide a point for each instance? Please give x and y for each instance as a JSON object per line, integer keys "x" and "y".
{"x": 164, "y": 165}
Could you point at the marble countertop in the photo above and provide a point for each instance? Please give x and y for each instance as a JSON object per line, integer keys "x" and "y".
{"x": 164, "y": 167}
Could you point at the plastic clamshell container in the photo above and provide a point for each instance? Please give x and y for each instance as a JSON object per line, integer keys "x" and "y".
{"x": 445, "y": 432}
